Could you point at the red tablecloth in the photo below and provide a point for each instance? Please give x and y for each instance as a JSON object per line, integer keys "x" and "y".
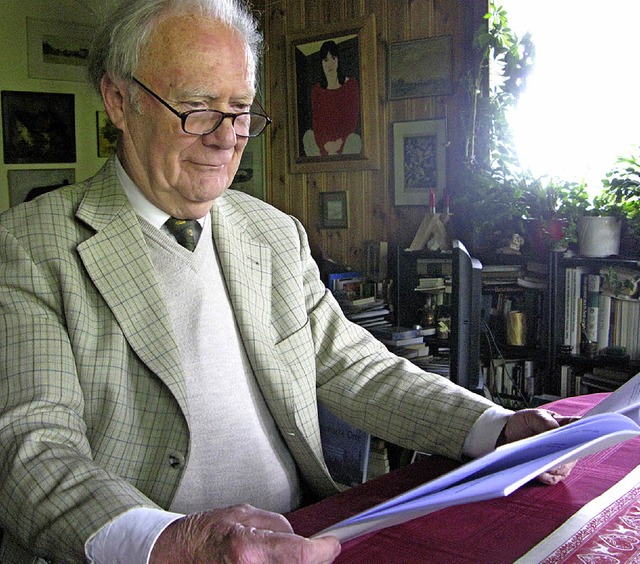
{"x": 494, "y": 531}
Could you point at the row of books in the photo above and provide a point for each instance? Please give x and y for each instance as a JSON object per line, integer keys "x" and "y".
{"x": 511, "y": 383}
{"x": 602, "y": 311}
{"x": 574, "y": 381}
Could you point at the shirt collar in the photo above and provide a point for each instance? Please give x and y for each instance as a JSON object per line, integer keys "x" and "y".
{"x": 143, "y": 207}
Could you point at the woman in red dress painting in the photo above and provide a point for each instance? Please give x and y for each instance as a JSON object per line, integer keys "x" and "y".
{"x": 335, "y": 104}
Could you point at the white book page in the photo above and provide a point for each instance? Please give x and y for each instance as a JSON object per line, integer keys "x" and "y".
{"x": 625, "y": 400}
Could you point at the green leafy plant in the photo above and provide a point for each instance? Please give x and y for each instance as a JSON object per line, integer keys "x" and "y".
{"x": 503, "y": 64}
{"x": 487, "y": 205}
{"x": 620, "y": 196}
{"x": 496, "y": 196}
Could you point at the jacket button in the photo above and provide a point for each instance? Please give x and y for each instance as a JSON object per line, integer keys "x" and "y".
{"x": 176, "y": 460}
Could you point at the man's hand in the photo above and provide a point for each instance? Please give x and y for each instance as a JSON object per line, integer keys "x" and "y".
{"x": 240, "y": 534}
{"x": 528, "y": 422}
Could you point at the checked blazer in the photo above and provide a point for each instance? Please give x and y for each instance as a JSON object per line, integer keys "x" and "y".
{"x": 93, "y": 413}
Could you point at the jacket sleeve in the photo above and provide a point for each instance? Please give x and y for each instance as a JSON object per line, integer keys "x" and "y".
{"x": 389, "y": 397}
{"x": 52, "y": 493}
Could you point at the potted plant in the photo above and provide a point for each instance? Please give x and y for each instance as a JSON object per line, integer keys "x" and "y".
{"x": 620, "y": 200}
{"x": 551, "y": 209}
{"x": 486, "y": 204}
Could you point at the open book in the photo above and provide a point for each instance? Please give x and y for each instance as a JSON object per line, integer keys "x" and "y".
{"x": 510, "y": 466}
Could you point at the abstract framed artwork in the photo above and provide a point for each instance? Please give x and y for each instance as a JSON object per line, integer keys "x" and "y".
{"x": 420, "y": 161}
{"x": 333, "y": 99}
{"x": 421, "y": 67}
{"x": 38, "y": 127}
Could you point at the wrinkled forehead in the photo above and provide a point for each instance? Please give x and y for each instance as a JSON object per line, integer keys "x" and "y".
{"x": 191, "y": 45}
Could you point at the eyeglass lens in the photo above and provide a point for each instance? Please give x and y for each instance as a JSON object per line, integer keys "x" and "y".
{"x": 201, "y": 122}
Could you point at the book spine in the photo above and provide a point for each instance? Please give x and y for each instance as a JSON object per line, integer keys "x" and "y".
{"x": 567, "y": 306}
{"x": 593, "y": 306}
{"x": 566, "y": 382}
{"x": 604, "y": 320}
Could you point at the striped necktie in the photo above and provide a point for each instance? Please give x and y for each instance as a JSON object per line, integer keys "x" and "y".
{"x": 184, "y": 230}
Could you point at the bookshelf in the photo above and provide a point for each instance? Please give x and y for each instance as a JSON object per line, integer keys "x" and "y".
{"x": 514, "y": 369}
{"x": 423, "y": 297}
{"x": 594, "y": 323}
{"x": 515, "y": 294}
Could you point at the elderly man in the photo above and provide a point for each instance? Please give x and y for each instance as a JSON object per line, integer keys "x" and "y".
{"x": 158, "y": 372}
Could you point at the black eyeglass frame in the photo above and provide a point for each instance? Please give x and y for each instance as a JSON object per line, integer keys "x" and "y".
{"x": 223, "y": 115}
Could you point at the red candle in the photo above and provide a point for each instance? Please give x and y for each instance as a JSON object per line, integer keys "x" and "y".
{"x": 432, "y": 200}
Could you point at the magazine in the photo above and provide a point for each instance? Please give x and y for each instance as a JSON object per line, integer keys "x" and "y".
{"x": 510, "y": 466}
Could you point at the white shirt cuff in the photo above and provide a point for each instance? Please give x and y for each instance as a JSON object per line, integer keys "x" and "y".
{"x": 485, "y": 431}
{"x": 129, "y": 538}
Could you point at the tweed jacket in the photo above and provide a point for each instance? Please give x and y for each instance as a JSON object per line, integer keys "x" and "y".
{"x": 94, "y": 419}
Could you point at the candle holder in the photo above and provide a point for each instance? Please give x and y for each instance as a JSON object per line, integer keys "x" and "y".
{"x": 433, "y": 233}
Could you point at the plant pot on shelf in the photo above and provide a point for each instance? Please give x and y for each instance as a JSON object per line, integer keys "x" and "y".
{"x": 599, "y": 236}
{"x": 543, "y": 235}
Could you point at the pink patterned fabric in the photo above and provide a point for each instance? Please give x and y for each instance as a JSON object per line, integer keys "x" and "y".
{"x": 612, "y": 536}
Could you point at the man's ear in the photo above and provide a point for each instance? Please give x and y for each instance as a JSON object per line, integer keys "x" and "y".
{"x": 114, "y": 99}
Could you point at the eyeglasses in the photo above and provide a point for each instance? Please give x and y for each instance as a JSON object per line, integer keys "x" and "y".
{"x": 202, "y": 122}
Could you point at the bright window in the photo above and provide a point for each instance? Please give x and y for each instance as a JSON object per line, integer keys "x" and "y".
{"x": 581, "y": 108}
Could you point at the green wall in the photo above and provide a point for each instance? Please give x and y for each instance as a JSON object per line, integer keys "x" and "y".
{"x": 15, "y": 76}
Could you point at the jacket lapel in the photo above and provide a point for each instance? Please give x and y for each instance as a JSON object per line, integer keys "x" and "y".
{"x": 117, "y": 262}
{"x": 246, "y": 266}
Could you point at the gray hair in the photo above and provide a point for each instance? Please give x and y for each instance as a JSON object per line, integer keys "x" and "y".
{"x": 125, "y": 32}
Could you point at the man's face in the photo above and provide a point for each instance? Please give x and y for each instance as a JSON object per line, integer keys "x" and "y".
{"x": 193, "y": 63}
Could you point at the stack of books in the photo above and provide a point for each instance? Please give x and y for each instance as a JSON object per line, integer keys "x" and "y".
{"x": 534, "y": 276}
{"x": 403, "y": 341}
{"x": 367, "y": 312}
{"x": 431, "y": 285}
{"x": 358, "y": 299}
{"x": 501, "y": 274}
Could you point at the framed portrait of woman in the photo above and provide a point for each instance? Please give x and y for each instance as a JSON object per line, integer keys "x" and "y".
{"x": 333, "y": 119}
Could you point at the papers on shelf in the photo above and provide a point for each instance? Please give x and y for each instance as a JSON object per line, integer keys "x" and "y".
{"x": 510, "y": 466}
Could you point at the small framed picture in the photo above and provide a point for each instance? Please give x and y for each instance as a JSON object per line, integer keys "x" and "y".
{"x": 26, "y": 184}
{"x": 107, "y": 134}
{"x": 420, "y": 161}
{"x": 250, "y": 177}
{"x": 58, "y": 50}
{"x": 334, "y": 210}
{"x": 421, "y": 67}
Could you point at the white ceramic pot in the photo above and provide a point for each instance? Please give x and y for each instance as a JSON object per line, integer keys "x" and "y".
{"x": 599, "y": 236}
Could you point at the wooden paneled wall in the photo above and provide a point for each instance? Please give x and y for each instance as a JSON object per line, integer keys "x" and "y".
{"x": 373, "y": 215}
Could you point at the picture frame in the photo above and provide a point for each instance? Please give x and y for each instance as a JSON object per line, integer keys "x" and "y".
{"x": 38, "y": 127}
{"x": 420, "y": 162}
{"x": 421, "y": 67}
{"x": 328, "y": 141}
{"x": 250, "y": 177}
{"x": 107, "y": 134}
{"x": 25, "y": 184}
{"x": 334, "y": 210}
{"x": 58, "y": 50}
